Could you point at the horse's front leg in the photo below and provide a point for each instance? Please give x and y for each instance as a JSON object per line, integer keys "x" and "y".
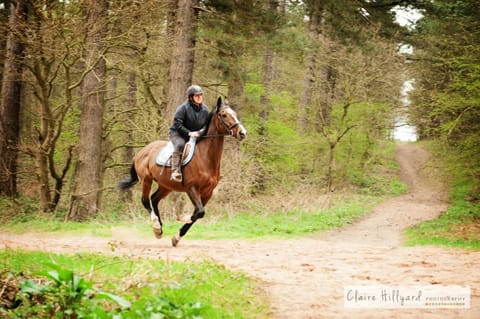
{"x": 198, "y": 213}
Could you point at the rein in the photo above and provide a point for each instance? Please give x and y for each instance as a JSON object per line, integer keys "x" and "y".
{"x": 216, "y": 135}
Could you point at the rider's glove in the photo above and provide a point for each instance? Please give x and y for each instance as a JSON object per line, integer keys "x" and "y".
{"x": 194, "y": 134}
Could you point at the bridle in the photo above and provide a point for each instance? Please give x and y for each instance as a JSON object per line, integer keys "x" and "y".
{"x": 229, "y": 128}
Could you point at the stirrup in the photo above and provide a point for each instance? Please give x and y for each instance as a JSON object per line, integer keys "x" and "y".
{"x": 176, "y": 176}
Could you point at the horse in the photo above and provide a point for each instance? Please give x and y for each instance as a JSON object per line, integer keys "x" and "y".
{"x": 200, "y": 176}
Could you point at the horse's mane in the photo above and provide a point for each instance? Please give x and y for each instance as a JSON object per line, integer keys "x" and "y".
{"x": 210, "y": 115}
{"x": 209, "y": 120}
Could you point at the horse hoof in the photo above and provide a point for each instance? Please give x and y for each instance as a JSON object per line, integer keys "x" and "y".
{"x": 175, "y": 240}
{"x": 158, "y": 232}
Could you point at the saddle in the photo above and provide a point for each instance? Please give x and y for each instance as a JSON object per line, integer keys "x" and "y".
{"x": 164, "y": 157}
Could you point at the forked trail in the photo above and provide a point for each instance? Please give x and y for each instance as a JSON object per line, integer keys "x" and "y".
{"x": 305, "y": 278}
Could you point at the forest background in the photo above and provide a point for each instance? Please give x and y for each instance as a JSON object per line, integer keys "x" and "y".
{"x": 319, "y": 85}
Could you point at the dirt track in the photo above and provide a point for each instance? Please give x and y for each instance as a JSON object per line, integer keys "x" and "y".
{"x": 305, "y": 278}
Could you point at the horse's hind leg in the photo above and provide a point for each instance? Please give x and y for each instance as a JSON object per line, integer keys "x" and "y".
{"x": 146, "y": 188}
{"x": 155, "y": 215}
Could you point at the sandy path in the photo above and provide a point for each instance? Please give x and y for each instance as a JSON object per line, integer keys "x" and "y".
{"x": 305, "y": 278}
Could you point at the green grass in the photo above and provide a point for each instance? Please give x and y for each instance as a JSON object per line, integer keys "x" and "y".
{"x": 283, "y": 224}
{"x": 46, "y": 225}
{"x": 205, "y": 289}
{"x": 459, "y": 225}
{"x": 397, "y": 187}
{"x": 188, "y": 287}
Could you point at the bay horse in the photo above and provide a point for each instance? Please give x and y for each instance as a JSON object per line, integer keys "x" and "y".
{"x": 200, "y": 176}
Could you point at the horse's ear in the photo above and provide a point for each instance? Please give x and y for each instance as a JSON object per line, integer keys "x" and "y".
{"x": 219, "y": 102}
{"x": 225, "y": 100}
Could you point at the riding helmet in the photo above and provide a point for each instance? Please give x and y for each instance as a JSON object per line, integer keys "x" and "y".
{"x": 194, "y": 89}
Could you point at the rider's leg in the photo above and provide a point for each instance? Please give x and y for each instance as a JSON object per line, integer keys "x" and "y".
{"x": 176, "y": 170}
{"x": 178, "y": 144}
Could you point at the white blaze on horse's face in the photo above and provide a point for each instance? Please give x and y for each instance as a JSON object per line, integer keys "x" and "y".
{"x": 233, "y": 124}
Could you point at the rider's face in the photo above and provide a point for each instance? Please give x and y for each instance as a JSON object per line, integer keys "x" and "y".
{"x": 198, "y": 99}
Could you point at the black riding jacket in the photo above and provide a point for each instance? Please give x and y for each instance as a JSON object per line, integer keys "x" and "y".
{"x": 189, "y": 118}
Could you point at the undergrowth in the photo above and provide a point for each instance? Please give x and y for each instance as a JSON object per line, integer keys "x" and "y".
{"x": 292, "y": 219}
{"x": 41, "y": 285}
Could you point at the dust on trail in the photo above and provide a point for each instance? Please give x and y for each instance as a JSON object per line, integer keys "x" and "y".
{"x": 304, "y": 278}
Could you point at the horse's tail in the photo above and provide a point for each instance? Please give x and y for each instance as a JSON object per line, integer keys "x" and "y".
{"x": 129, "y": 181}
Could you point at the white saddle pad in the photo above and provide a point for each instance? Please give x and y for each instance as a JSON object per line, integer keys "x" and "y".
{"x": 164, "y": 157}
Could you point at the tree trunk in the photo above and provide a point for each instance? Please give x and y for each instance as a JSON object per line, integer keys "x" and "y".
{"x": 171, "y": 20}
{"x": 4, "y": 15}
{"x": 182, "y": 26}
{"x": 182, "y": 55}
{"x": 88, "y": 180}
{"x": 325, "y": 94}
{"x": 10, "y": 101}
{"x": 331, "y": 165}
{"x": 267, "y": 78}
{"x": 326, "y": 74}
{"x": 315, "y": 16}
{"x": 235, "y": 85}
{"x": 43, "y": 178}
{"x": 131, "y": 104}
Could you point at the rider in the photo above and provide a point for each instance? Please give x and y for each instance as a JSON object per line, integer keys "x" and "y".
{"x": 189, "y": 121}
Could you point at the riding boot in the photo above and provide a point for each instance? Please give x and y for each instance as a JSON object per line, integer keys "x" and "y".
{"x": 176, "y": 170}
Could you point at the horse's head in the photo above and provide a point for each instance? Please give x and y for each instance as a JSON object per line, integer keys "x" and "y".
{"x": 228, "y": 118}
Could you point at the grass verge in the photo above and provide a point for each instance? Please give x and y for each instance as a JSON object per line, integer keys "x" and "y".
{"x": 286, "y": 223}
{"x": 459, "y": 225}
{"x": 153, "y": 288}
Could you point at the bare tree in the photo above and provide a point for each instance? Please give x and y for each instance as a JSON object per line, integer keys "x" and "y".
{"x": 87, "y": 188}
{"x": 365, "y": 83}
{"x": 51, "y": 78}
{"x": 272, "y": 7}
{"x": 314, "y": 34}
